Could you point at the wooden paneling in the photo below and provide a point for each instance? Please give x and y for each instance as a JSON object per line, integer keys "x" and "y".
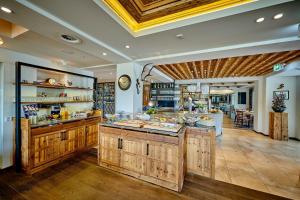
{"x": 146, "y": 94}
{"x": 151, "y": 157}
{"x": 46, "y": 146}
{"x": 250, "y": 65}
{"x": 200, "y": 152}
{"x": 278, "y": 126}
{"x": 145, "y": 10}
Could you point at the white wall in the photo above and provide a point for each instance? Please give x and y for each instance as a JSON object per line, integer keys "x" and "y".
{"x": 8, "y": 59}
{"x": 297, "y": 133}
{"x": 272, "y": 84}
{"x": 235, "y": 98}
{"x": 129, "y": 100}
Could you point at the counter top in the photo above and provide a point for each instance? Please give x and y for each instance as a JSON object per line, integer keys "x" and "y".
{"x": 147, "y": 130}
{"x": 52, "y": 123}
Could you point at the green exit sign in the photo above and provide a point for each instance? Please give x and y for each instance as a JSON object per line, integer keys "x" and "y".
{"x": 278, "y": 67}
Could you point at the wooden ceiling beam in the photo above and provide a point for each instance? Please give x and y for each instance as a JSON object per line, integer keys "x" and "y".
{"x": 275, "y": 58}
{"x": 208, "y": 69}
{"x": 189, "y": 71}
{"x": 185, "y": 70}
{"x": 252, "y": 65}
{"x": 235, "y": 63}
{"x": 224, "y": 68}
{"x": 177, "y": 71}
{"x": 286, "y": 58}
{"x": 195, "y": 70}
{"x": 216, "y": 68}
{"x": 242, "y": 65}
{"x": 201, "y": 69}
{"x": 171, "y": 72}
{"x": 182, "y": 71}
{"x": 159, "y": 67}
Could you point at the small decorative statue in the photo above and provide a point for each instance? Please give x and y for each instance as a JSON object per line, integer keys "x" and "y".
{"x": 278, "y": 104}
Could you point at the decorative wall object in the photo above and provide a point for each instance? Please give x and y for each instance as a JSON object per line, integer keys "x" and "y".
{"x": 285, "y": 93}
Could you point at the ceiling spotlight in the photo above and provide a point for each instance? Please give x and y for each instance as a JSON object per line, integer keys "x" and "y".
{"x": 278, "y": 16}
{"x": 7, "y": 10}
{"x": 104, "y": 54}
{"x": 127, "y": 46}
{"x": 261, "y": 19}
{"x": 1, "y": 41}
{"x": 180, "y": 36}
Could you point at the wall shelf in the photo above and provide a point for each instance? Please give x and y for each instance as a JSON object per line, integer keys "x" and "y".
{"x": 57, "y": 102}
{"x": 54, "y": 86}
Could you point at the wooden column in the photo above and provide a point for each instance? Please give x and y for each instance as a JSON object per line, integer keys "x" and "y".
{"x": 278, "y": 126}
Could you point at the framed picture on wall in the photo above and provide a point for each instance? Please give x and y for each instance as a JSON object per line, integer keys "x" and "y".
{"x": 284, "y": 92}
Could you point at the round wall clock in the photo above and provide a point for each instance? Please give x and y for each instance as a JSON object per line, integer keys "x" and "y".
{"x": 124, "y": 82}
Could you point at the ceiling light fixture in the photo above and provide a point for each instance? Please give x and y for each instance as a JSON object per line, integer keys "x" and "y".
{"x": 127, "y": 46}
{"x": 180, "y": 36}
{"x": 104, "y": 54}
{"x": 7, "y": 10}
{"x": 1, "y": 41}
{"x": 70, "y": 38}
{"x": 259, "y": 20}
{"x": 278, "y": 16}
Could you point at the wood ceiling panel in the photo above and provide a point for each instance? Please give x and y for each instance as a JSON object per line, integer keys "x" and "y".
{"x": 145, "y": 10}
{"x": 250, "y": 65}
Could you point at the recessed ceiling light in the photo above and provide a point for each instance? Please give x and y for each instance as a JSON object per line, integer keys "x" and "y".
{"x": 70, "y": 38}
{"x": 180, "y": 36}
{"x": 7, "y": 10}
{"x": 261, "y": 19}
{"x": 104, "y": 54}
{"x": 278, "y": 16}
{"x": 127, "y": 46}
{"x": 1, "y": 41}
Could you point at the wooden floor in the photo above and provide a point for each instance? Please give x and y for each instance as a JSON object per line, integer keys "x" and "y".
{"x": 249, "y": 159}
{"x": 81, "y": 178}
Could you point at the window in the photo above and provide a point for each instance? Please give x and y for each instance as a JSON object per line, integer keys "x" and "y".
{"x": 242, "y": 98}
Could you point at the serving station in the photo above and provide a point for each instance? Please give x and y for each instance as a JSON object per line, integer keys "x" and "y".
{"x": 56, "y": 116}
{"x": 157, "y": 152}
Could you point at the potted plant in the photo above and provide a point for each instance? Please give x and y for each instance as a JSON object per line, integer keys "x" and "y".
{"x": 278, "y": 104}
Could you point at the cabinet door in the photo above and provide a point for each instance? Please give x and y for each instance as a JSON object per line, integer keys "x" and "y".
{"x": 109, "y": 149}
{"x": 162, "y": 161}
{"x": 206, "y": 155}
{"x": 133, "y": 154}
{"x": 194, "y": 154}
{"x": 92, "y": 134}
{"x": 70, "y": 141}
{"x": 199, "y": 155}
{"x": 45, "y": 148}
{"x": 80, "y": 137}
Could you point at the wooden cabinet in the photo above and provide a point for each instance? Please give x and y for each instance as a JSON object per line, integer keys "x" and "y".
{"x": 92, "y": 134}
{"x": 110, "y": 149}
{"x": 133, "y": 154}
{"x": 163, "y": 161}
{"x": 143, "y": 156}
{"x": 45, "y": 146}
{"x": 200, "y": 152}
{"x": 278, "y": 126}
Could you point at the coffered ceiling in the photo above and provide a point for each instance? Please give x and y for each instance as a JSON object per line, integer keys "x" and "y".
{"x": 144, "y": 14}
{"x": 252, "y": 65}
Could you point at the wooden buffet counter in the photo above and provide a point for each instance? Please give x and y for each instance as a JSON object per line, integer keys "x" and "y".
{"x": 155, "y": 156}
{"x": 46, "y": 145}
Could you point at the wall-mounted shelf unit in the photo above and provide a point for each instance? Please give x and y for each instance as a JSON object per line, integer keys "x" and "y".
{"x": 162, "y": 94}
{"x": 54, "y": 86}
{"x": 106, "y": 97}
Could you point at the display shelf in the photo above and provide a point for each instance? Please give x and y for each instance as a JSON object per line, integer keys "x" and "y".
{"x": 54, "y": 86}
{"x": 57, "y": 102}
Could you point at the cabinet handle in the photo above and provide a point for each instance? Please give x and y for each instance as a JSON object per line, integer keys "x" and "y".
{"x": 118, "y": 143}
{"x": 147, "y": 149}
{"x": 121, "y": 144}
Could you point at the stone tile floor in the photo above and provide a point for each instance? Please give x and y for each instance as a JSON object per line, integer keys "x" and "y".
{"x": 249, "y": 159}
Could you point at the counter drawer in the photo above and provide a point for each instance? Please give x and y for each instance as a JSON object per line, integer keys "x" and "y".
{"x": 110, "y": 130}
